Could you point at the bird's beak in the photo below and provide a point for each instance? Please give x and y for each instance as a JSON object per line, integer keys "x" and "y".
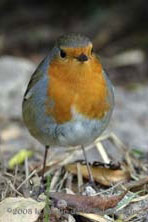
{"x": 82, "y": 58}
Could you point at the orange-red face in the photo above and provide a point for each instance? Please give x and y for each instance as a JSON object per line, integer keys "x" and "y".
{"x": 74, "y": 54}
{"x": 76, "y": 82}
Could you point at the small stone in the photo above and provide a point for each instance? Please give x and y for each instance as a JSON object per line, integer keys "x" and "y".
{"x": 62, "y": 204}
{"x": 89, "y": 191}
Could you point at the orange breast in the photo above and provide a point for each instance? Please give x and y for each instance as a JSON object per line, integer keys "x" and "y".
{"x": 78, "y": 85}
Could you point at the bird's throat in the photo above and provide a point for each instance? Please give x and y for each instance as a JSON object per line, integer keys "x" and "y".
{"x": 82, "y": 86}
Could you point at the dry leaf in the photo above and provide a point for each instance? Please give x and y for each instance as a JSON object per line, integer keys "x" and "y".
{"x": 20, "y": 209}
{"x": 104, "y": 176}
{"x": 88, "y": 204}
{"x": 93, "y": 217}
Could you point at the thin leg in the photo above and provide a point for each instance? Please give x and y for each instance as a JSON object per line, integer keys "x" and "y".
{"x": 91, "y": 179}
{"x": 42, "y": 186}
{"x": 44, "y": 163}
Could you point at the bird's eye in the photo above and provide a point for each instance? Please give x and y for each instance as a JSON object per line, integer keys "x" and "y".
{"x": 62, "y": 53}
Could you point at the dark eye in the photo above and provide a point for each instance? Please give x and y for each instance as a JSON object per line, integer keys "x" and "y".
{"x": 62, "y": 53}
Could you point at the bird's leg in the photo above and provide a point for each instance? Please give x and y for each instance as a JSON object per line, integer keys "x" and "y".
{"x": 44, "y": 164}
{"x": 91, "y": 179}
{"x": 41, "y": 189}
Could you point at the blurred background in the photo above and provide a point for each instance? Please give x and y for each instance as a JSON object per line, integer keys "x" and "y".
{"x": 119, "y": 31}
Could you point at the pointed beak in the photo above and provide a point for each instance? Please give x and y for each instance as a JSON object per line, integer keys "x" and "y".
{"x": 82, "y": 58}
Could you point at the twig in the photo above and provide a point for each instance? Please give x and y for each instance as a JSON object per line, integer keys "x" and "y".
{"x": 55, "y": 179}
{"x": 140, "y": 198}
{"x": 13, "y": 188}
{"x": 102, "y": 152}
{"x": 80, "y": 178}
{"x": 63, "y": 180}
{"x": 33, "y": 172}
{"x": 26, "y": 170}
{"x": 69, "y": 182}
{"x": 15, "y": 175}
{"x": 119, "y": 144}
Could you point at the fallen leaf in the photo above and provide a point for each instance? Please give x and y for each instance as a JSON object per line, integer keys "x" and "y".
{"x": 101, "y": 175}
{"x": 20, "y": 209}
{"x": 19, "y": 158}
{"x": 89, "y": 204}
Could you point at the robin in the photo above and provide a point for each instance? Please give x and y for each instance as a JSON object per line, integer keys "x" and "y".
{"x": 69, "y": 99}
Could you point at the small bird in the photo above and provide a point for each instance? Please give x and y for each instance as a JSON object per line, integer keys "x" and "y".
{"x": 69, "y": 99}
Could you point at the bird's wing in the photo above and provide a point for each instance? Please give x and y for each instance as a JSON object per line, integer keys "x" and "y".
{"x": 109, "y": 84}
{"x": 37, "y": 75}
